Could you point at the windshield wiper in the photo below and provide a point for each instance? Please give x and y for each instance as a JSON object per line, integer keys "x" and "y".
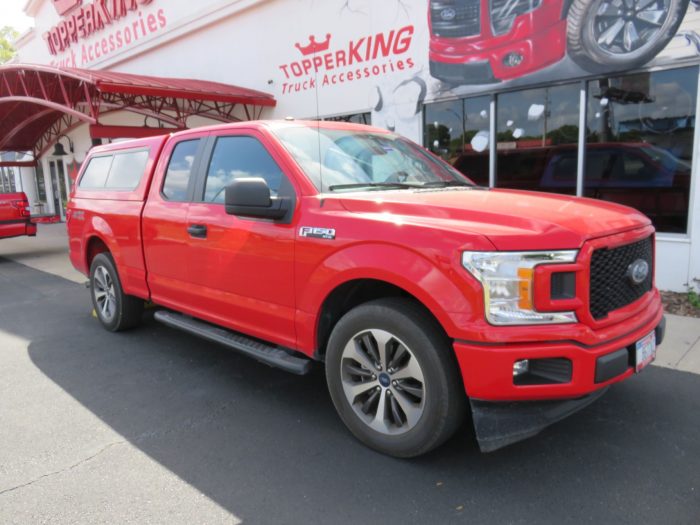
{"x": 401, "y": 185}
{"x": 444, "y": 184}
{"x": 387, "y": 185}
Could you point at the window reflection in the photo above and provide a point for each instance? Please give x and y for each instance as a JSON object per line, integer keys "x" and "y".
{"x": 537, "y": 135}
{"x": 458, "y": 131}
{"x": 640, "y": 141}
{"x": 444, "y": 129}
{"x": 640, "y": 131}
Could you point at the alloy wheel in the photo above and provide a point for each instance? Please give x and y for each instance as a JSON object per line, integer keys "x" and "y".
{"x": 626, "y": 26}
{"x": 105, "y": 295}
{"x": 383, "y": 382}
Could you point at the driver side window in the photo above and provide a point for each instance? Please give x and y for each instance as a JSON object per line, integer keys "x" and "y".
{"x": 239, "y": 157}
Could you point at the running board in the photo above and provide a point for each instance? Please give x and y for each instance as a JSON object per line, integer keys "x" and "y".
{"x": 268, "y": 354}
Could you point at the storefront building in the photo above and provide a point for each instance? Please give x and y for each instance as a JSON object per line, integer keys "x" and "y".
{"x": 595, "y": 98}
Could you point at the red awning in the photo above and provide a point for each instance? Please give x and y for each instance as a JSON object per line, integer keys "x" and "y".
{"x": 38, "y": 103}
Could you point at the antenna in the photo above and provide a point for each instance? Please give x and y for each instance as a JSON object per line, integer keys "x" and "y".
{"x": 318, "y": 116}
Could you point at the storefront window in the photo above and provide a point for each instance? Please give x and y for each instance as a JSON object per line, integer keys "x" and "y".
{"x": 640, "y": 143}
{"x": 537, "y": 137}
{"x": 458, "y": 131}
{"x": 40, "y": 184}
{"x": 7, "y": 180}
{"x": 474, "y": 160}
{"x": 444, "y": 129}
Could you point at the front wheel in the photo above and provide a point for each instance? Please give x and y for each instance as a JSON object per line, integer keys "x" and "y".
{"x": 393, "y": 378}
{"x": 115, "y": 310}
{"x": 609, "y": 35}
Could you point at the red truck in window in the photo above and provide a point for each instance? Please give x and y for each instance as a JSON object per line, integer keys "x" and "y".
{"x": 303, "y": 242}
{"x": 15, "y": 218}
{"x": 486, "y": 41}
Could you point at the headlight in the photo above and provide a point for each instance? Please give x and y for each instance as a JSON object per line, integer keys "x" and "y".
{"x": 504, "y": 13}
{"x": 508, "y": 278}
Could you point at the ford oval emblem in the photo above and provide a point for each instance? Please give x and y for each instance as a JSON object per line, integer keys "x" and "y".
{"x": 638, "y": 271}
{"x": 448, "y": 14}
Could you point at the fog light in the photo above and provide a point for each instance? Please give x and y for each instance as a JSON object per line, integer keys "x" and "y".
{"x": 521, "y": 367}
{"x": 512, "y": 60}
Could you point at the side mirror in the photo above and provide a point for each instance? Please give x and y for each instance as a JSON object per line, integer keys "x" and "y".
{"x": 250, "y": 197}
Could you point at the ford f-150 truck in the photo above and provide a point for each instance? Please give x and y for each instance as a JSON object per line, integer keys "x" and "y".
{"x": 15, "y": 218}
{"x": 300, "y": 242}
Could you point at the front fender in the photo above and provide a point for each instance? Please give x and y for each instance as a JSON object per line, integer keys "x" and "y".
{"x": 441, "y": 285}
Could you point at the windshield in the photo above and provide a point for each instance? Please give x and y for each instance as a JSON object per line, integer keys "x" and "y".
{"x": 344, "y": 160}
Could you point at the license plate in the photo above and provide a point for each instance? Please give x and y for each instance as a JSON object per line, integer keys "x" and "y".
{"x": 646, "y": 351}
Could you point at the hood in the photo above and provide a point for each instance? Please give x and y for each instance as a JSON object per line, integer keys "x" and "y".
{"x": 510, "y": 219}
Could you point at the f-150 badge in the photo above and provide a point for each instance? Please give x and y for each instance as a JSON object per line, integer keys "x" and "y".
{"x": 317, "y": 233}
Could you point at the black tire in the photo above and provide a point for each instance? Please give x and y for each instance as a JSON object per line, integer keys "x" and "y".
{"x": 125, "y": 311}
{"x": 585, "y": 26}
{"x": 444, "y": 400}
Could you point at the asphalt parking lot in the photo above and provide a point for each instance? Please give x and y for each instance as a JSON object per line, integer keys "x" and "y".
{"x": 155, "y": 426}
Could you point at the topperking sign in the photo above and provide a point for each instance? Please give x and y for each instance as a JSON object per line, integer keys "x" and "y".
{"x": 81, "y": 20}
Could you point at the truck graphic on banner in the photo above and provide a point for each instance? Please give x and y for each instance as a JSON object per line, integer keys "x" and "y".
{"x": 488, "y": 41}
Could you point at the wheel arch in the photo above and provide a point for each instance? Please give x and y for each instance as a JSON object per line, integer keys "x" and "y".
{"x": 101, "y": 239}
{"x": 93, "y": 247}
{"x": 352, "y": 293}
{"x": 374, "y": 270}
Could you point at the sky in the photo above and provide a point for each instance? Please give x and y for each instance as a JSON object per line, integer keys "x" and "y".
{"x": 12, "y": 15}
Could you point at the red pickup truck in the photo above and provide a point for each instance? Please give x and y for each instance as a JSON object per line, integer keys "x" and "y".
{"x": 302, "y": 242}
{"x": 15, "y": 216}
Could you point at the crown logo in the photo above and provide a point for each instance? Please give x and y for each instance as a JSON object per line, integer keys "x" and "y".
{"x": 314, "y": 47}
{"x": 65, "y": 6}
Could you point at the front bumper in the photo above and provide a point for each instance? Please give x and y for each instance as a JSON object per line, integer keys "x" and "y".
{"x": 481, "y": 60}
{"x": 487, "y": 369}
{"x": 498, "y": 424}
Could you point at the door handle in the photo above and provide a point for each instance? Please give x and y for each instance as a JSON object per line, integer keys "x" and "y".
{"x": 197, "y": 230}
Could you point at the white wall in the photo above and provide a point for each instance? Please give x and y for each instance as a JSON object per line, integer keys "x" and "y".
{"x": 252, "y": 43}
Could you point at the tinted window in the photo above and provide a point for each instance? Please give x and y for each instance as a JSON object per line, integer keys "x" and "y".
{"x": 177, "y": 178}
{"x": 641, "y": 131}
{"x": 127, "y": 170}
{"x": 96, "y": 173}
{"x": 239, "y": 157}
{"x": 532, "y": 128}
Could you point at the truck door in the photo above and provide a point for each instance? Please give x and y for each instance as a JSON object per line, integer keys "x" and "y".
{"x": 242, "y": 269}
{"x": 164, "y": 222}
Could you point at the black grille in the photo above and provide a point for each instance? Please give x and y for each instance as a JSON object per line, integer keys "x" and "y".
{"x": 611, "y": 287}
{"x": 455, "y": 18}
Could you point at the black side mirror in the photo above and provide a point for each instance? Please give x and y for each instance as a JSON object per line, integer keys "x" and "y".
{"x": 250, "y": 197}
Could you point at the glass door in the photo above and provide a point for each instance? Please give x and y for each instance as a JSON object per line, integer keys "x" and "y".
{"x": 60, "y": 187}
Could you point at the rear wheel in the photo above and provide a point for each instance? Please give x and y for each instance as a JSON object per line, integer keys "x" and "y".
{"x": 115, "y": 310}
{"x": 606, "y": 35}
{"x": 393, "y": 378}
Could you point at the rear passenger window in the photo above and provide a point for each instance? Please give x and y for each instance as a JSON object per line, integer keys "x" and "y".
{"x": 127, "y": 170}
{"x": 96, "y": 173}
{"x": 238, "y": 157}
{"x": 177, "y": 178}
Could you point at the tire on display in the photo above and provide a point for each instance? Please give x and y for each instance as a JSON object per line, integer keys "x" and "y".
{"x": 609, "y": 35}
{"x": 115, "y": 310}
{"x": 393, "y": 378}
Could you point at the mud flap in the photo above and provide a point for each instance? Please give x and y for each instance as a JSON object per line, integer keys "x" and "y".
{"x": 498, "y": 424}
